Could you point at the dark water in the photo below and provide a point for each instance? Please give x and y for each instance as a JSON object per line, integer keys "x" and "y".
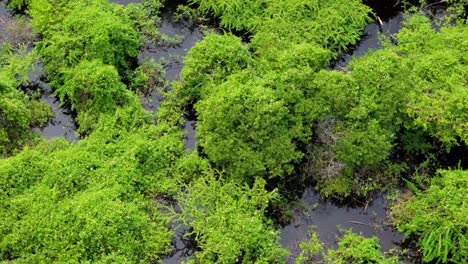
{"x": 371, "y": 39}
{"x": 62, "y": 124}
{"x": 328, "y": 218}
{"x": 171, "y": 56}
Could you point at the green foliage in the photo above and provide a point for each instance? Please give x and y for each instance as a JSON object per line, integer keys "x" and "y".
{"x": 438, "y": 102}
{"x": 88, "y": 48}
{"x": 458, "y": 7}
{"x": 239, "y": 14}
{"x": 304, "y": 56}
{"x": 88, "y": 32}
{"x": 331, "y": 24}
{"x": 88, "y": 202}
{"x": 359, "y": 113}
{"x": 49, "y": 14}
{"x": 89, "y": 226}
{"x": 16, "y": 64}
{"x": 406, "y": 93}
{"x": 338, "y": 187}
{"x": 245, "y": 129}
{"x": 94, "y": 201}
{"x": 251, "y": 118}
{"x": 211, "y": 61}
{"x": 18, "y": 112}
{"x": 144, "y": 16}
{"x": 93, "y": 85}
{"x": 93, "y": 88}
{"x": 16, "y": 173}
{"x": 353, "y": 248}
{"x": 19, "y": 5}
{"x": 367, "y": 103}
{"x": 438, "y": 217}
{"x": 309, "y": 248}
{"x": 148, "y": 77}
{"x": 455, "y": 8}
{"x": 228, "y": 221}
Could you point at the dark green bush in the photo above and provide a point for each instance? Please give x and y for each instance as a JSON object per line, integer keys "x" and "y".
{"x": 93, "y": 88}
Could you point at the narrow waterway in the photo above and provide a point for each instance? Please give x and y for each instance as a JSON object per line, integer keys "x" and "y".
{"x": 171, "y": 57}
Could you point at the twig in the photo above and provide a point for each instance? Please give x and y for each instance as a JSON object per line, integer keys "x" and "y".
{"x": 394, "y": 39}
{"x": 380, "y": 21}
{"x": 358, "y": 223}
{"x": 431, "y": 4}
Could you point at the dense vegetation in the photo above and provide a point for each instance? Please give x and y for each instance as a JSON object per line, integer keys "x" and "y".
{"x": 438, "y": 216}
{"x": 18, "y": 111}
{"x": 267, "y": 111}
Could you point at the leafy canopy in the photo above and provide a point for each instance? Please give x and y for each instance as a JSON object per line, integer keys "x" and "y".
{"x": 438, "y": 217}
{"x": 89, "y": 201}
{"x": 228, "y": 221}
{"x": 244, "y": 128}
{"x": 86, "y": 32}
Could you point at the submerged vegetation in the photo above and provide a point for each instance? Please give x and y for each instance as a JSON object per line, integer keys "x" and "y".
{"x": 268, "y": 112}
